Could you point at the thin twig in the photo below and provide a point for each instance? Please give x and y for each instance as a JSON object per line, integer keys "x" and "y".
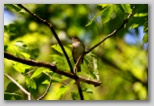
{"x": 53, "y": 31}
{"x": 52, "y": 67}
{"x": 22, "y": 89}
{"x": 77, "y": 63}
{"x": 46, "y": 91}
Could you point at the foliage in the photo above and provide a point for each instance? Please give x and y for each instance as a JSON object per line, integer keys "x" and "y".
{"x": 121, "y": 67}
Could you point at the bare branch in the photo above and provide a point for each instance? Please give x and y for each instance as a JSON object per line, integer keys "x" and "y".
{"x": 50, "y": 66}
{"x": 79, "y": 89}
{"x": 46, "y": 91}
{"x": 53, "y": 31}
{"x": 22, "y": 89}
{"x": 29, "y": 62}
{"x": 77, "y": 63}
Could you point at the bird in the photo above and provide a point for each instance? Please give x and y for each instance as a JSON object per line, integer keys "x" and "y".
{"x": 77, "y": 51}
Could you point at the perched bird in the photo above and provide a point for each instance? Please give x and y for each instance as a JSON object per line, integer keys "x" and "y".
{"x": 78, "y": 50}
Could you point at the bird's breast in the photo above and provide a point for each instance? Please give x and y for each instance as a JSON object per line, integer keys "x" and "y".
{"x": 78, "y": 49}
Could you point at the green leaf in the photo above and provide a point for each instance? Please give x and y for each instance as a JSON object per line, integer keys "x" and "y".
{"x": 134, "y": 26}
{"x": 91, "y": 63}
{"x": 90, "y": 22}
{"x": 11, "y": 29}
{"x": 61, "y": 91}
{"x": 20, "y": 67}
{"x": 119, "y": 14}
{"x": 11, "y": 87}
{"x": 145, "y": 38}
{"x": 104, "y": 5}
{"x": 57, "y": 57}
{"x": 59, "y": 50}
{"x": 46, "y": 82}
{"x": 145, "y": 29}
{"x": 15, "y": 96}
{"x": 107, "y": 13}
{"x": 5, "y": 47}
{"x": 146, "y": 26}
{"x": 12, "y": 6}
{"x": 30, "y": 82}
{"x": 15, "y": 8}
{"x": 74, "y": 95}
{"x": 22, "y": 46}
{"x": 87, "y": 90}
{"x": 23, "y": 55}
{"x": 37, "y": 72}
{"x": 60, "y": 61}
{"x": 55, "y": 80}
{"x": 127, "y": 8}
{"x": 22, "y": 12}
{"x": 6, "y": 29}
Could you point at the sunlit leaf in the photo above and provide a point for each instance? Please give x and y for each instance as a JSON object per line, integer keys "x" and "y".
{"x": 106, "y": 14}
{"x": 55, "y": 80}
{"x": 37, "y": 72}
{"x": 127, "y": 8}
{"x": 104, "y": 5}
{"x": 59, "y": 50}
{"x": 88, "y": 90}
{"x": 60, "y": 61}
{"x": 140, "y": 14}
{"x": 20, "y": 67}
{"x": 61, "y": 91}
{"x": 46, "y": 82}
{"x": 146, "y": 26}
{"x": 30, "y": 82}
{"x": 134, "y": 26}
{"x": 22, "y": 46}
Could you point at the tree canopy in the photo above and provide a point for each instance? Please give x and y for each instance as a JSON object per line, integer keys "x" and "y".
{"x": 38, "y": 62}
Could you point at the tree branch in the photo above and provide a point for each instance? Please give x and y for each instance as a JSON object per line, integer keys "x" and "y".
{"x": 77, "y": 63}
{"x": 50, "y": 66}
{"x": 79, "y": 89}
{"x": 46, "y": 91}
{"x": 22, "y": 89}
{"x": 52, "y": 30}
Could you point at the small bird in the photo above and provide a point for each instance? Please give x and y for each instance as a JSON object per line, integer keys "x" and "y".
{"x": 78, "y": 50}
